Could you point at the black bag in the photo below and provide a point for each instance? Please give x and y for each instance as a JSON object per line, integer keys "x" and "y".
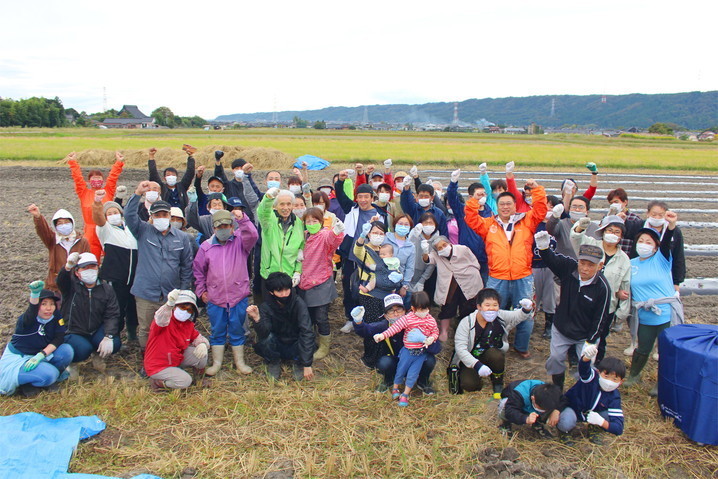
{"x": 452, "y": 374}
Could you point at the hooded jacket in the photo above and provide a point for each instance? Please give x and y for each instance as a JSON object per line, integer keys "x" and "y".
{"x": 120, "y": 247}
{"x": 85, "y": 309}
{"x": 288, "y": 323}
{"x": 519, "y": 405}
{"x": 57, "y": 253}
{"x": 221, "y": 269}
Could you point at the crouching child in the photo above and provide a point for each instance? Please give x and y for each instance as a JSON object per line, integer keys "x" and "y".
{"x": 531, "y": 402}
{"x": 174, "y": 343}
{"x": 595, "y": 399}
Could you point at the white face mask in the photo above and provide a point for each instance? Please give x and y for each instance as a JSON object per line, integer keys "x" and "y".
{"x": 295, "y": 189}
{"x": 618, "y": 206}
{"x": 171, "y": 180}
{"x": 656, "y": 222}
{"x": 299, "y": 212}
{"x": 424, "y": 202}
{"x": 320, "y": 206}
{"x": 376, "y": 239}
{"x": 421, "y": 314}
{"x": 64, "y": 229}
{"x": 444, "y": 252}
{"x": 152, "y": 196}
{"x": 89, "y": 276}
{"x": 213, "y": 211}
{"x": 384, "y": 197}
{"x": 428, "y": 229}
{"x": 644, "y": 250}
{"x": 115, "y": 220}
{"x": 482, "y": 200}
{"x": 576, "y": 215}
{"x": 239, "y": 174}
{"x": 182, "y": 315}
{"x": 610, "y": 238}
{"x": 606, "y": 384}
{"x": 177, "y": 224}
{"x": 489, "y": 316}
{"x": 328, "y": 191}
{"x": 161, "y": 224}
{"x": 375, "y": 184}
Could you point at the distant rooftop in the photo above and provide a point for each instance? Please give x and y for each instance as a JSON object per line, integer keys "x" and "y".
{"x": 133, "y": 111}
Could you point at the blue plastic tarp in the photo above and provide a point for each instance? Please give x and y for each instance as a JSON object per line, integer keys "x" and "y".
{"x": 688, "y": 379}
{"x": 313, "y": 162}
{"x": 36, "y": 446}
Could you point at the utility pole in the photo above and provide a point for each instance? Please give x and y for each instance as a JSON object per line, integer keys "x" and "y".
{"x": 104, "y": 99}
{"x": 553, "y": 107}
{"x": 456, "y": 113}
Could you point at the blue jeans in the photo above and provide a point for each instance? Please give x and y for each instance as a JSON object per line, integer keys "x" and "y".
{"x": 47, "y": 372}
{"x": 272, "y": 350}
{"x": 85, "y": 345}
{"x": 227, "y": 322}
{"x": 511, "y": 292}
{"x": 409, "y": 367}
{"x": 386, "y": 365}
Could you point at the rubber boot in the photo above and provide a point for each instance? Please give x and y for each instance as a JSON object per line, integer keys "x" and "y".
{"x": 444, "y": 325}
{"x": 547, "y": 325}
{"x": 238, "y": 353}
{"x": 217, "y": 357}
{"x": 637, "y": 364}
{"x": 558, "y": 379}
{"x": 497, "y": 383}
{"x": 324, "y": 343}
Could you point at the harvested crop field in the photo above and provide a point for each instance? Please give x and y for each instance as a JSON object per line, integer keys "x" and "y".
{"x": 336, "y": 426}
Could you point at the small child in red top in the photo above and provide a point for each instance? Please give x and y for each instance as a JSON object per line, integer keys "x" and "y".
{"x": 420, "y": 331}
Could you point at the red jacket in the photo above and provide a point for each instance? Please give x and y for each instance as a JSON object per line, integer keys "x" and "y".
{"x": 388, "y": 179}
{"x": 166, "y": 344}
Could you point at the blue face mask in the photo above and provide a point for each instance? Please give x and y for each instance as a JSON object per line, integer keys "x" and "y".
{"x": 43, "y": 321}
{"x": 402, "y": 230}
{"x": 273, "y": 184}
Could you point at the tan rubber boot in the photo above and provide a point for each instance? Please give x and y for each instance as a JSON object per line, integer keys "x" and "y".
{"x": 238, "y": 352}
{"x": 324, "y": 343}
{"x": 217, "y": 357}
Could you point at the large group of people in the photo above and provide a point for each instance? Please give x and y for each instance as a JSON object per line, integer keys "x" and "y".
{"x": 270, "y": 258}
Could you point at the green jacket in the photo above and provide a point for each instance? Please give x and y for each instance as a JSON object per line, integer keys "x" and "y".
{"x": 279, "y": 249}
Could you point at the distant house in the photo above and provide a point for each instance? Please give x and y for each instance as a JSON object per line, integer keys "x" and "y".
{"x": 514, "y": 131}
{"x": 494, "y": 129}
{"x": 633, "y": 130}
{"x": 707, "y": 136}
{"x": 132, "y": 118}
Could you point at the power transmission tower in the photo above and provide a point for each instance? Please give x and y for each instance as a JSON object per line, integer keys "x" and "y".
{"x": 365, "y": 120}
{"x": 104, "y": 99}
{"x": 456, "y": 113}
{"x": 553, "y": 107}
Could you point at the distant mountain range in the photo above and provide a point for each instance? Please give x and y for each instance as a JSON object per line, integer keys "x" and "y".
{"x": 692, "y": 110}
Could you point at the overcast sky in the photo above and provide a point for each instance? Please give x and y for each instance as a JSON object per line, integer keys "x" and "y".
{"x": 222, "y": 57}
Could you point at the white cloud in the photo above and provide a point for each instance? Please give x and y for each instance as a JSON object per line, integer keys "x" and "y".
{"x": 228, "y": 57}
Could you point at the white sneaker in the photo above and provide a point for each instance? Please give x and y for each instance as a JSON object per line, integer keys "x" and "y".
{"x": 655, "y": 356}
{"x": 629, "y": 350}
{"x": 348, "y": 327}
{"x": 74, "y": 372}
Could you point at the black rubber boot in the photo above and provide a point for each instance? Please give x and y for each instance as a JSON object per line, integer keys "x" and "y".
{"x": 497, "y": 384}
{"x": 637, "y": 364}
{"x": 558, "y": 379}
{"x": 547, "y": 325}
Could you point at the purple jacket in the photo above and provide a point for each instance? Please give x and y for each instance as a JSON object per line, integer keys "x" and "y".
{"x": 221, "y": 269}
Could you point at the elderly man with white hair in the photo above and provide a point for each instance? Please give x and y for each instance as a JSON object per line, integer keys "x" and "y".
{"x": 282, "y": 236}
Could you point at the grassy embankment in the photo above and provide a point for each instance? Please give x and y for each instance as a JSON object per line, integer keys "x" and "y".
{"x": 436, "y": 149}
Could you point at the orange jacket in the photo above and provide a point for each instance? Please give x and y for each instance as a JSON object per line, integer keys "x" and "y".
{"x": 509, "y": 260}
{"x": 87, "y": 197}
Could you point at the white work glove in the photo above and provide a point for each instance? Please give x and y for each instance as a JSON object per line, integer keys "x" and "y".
{"x": 406, "y": 183}
{"x": 200, "y": 351}
{"x": 482, "y": 200}
{"x": 542, "y": 239}
{"x": 306, "y": 188}
{"x": 614, "y": 209}
{"x": 589, "y": 350}
{"x": 424, "y": 247}
{"x": 510, "y": 167}
{"x": 413, "y": 172}
{"x": 568, "y": 186}
{"x": 105, "y": 348}
{"x": 418, "y": 229}
{"x": 482, "y": 168}
{"x": 295, "y": 279}
{"x": 430, "y": 182}
{"x": 526, "y": 304}
{"x": 338, "y": 227}
{"x": 484, "y": 371}
{"x": 272, "y": 192}
{"x": 387, "y": 163}
{"x": 351, "y": 172}
{"x": 357, "y": 314}
{"x": 72, "y": 260}
{"x": 557, "y": 211}
{"x": 300, "y": 255}
{"x": 121, "y": 192}
{"x": 455, "y": 175}
{"x": 172, "y": 297}
{"x": 584, "y": 222}
{"x": 595, "y": 418}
